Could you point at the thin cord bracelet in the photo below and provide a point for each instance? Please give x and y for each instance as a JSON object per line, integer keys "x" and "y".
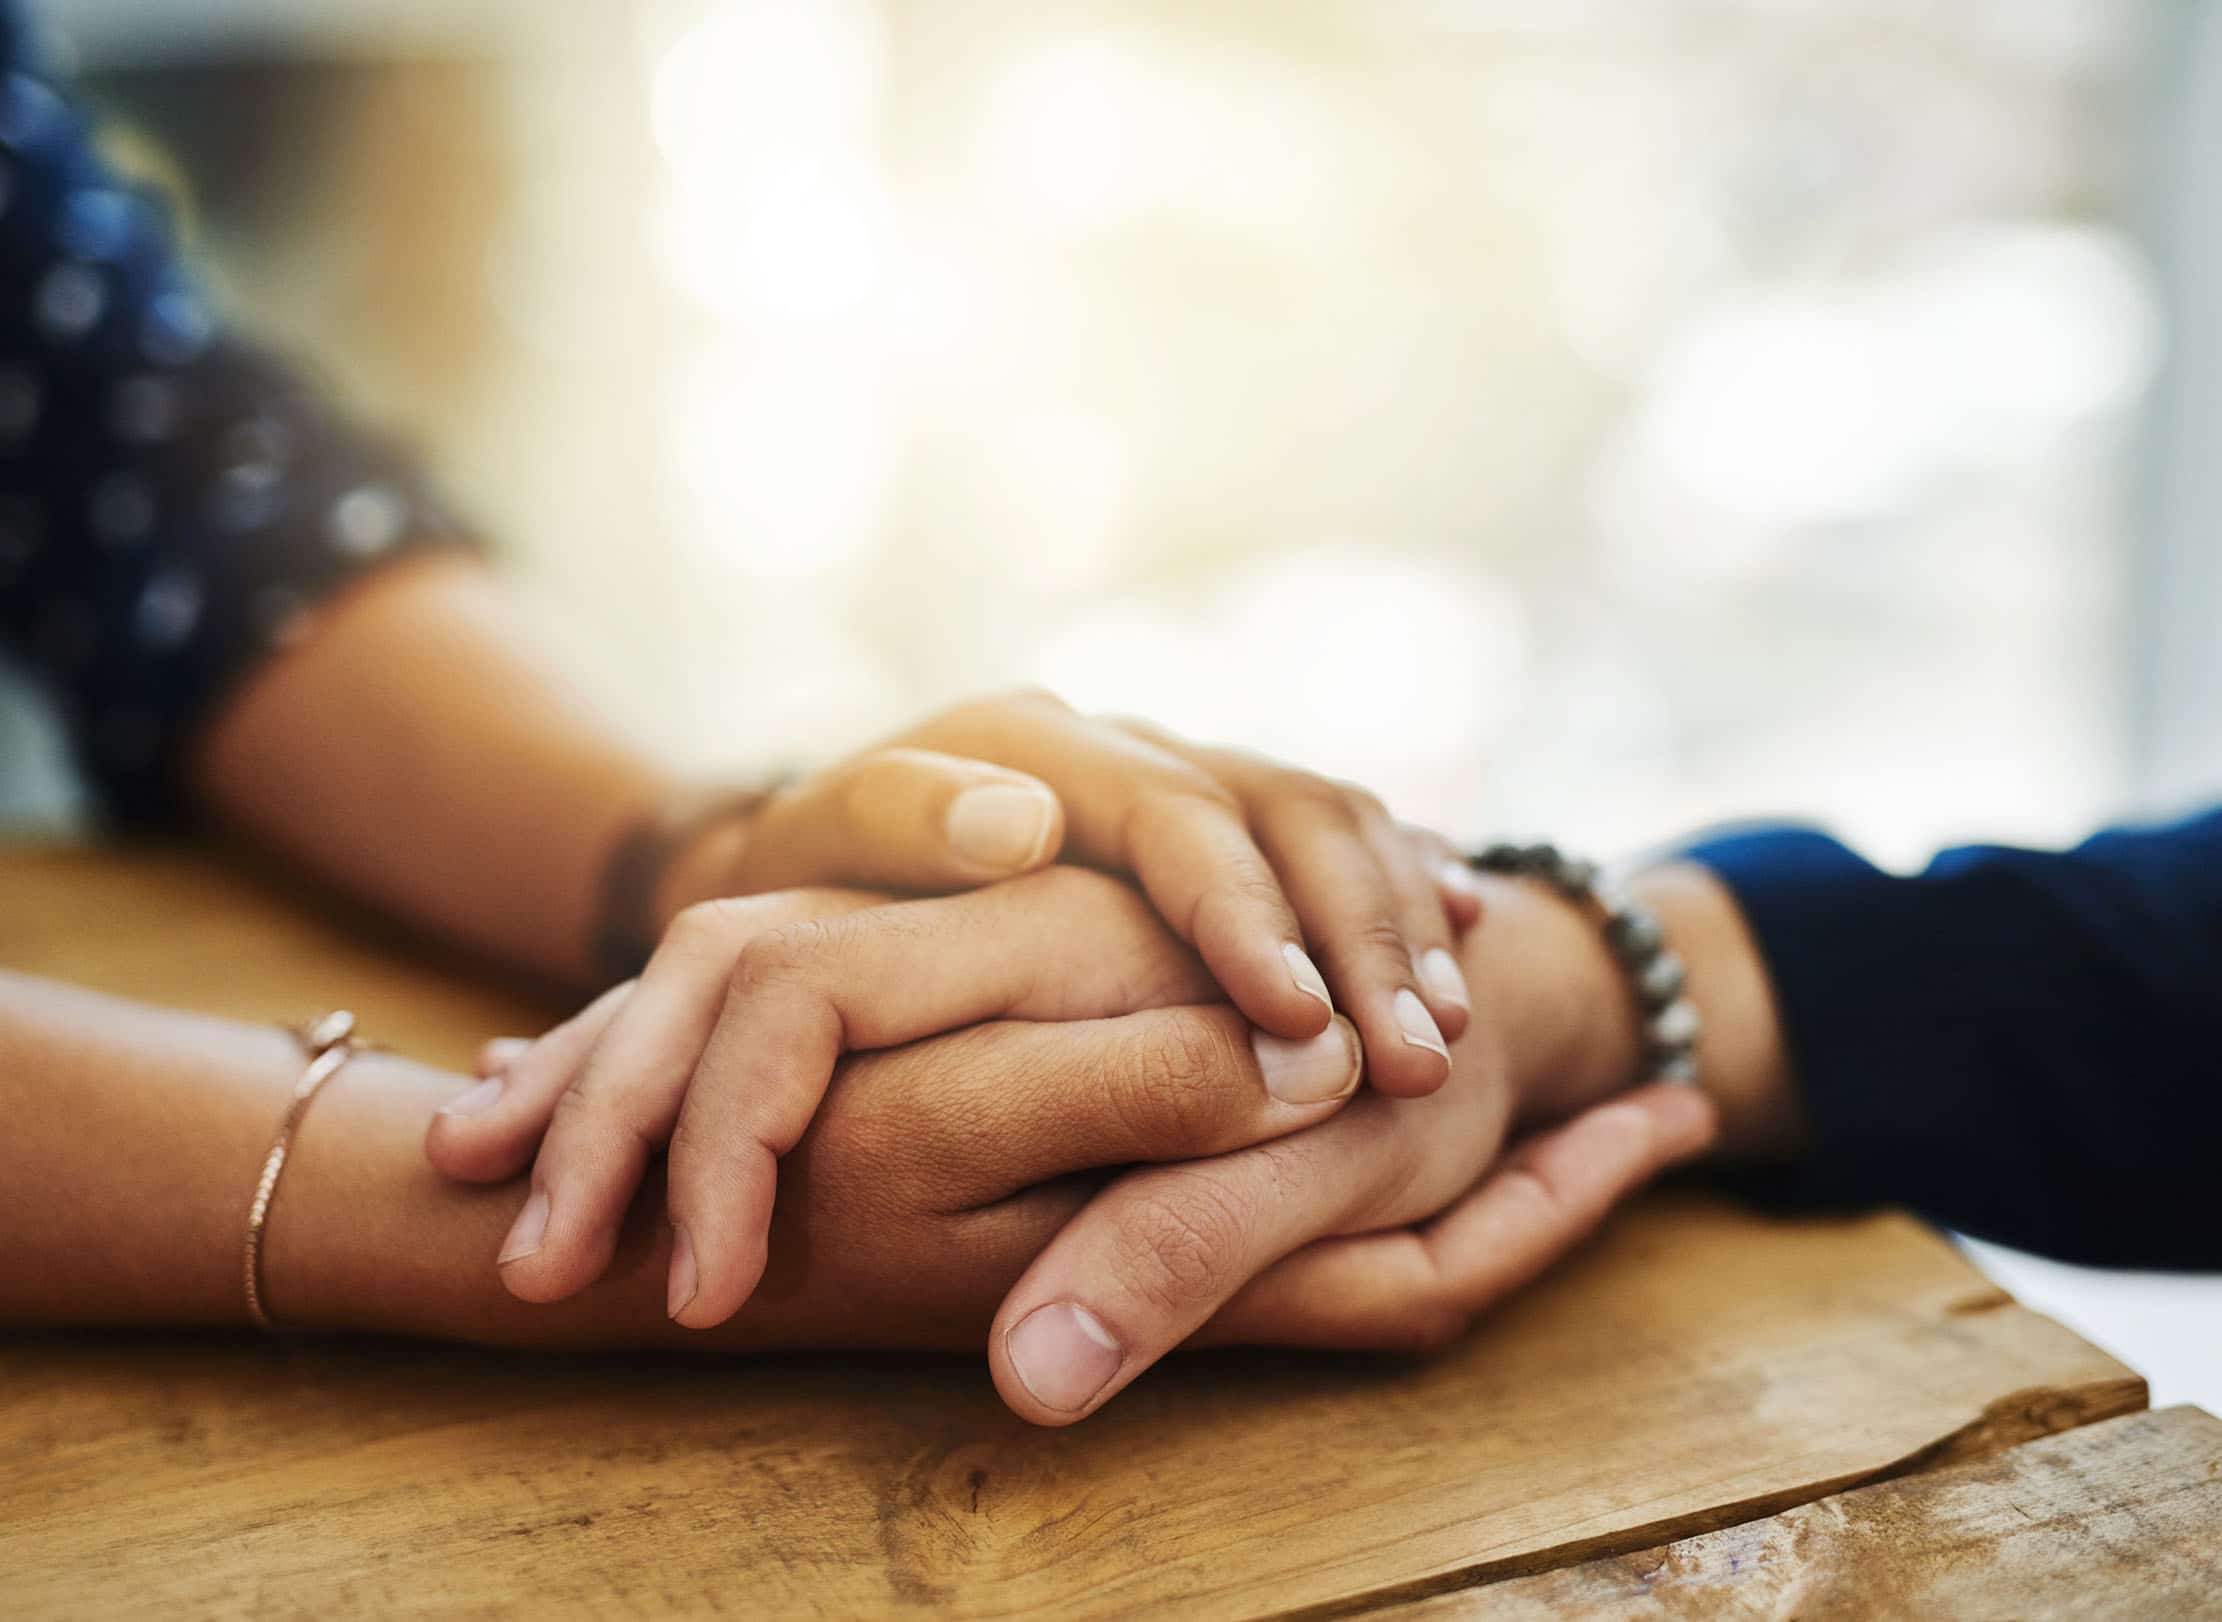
{"x": 1671, "y": 1023}
{"x": 328, "y": 1043}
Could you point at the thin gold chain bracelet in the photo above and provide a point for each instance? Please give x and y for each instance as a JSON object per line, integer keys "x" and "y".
{"x": 328, "y": 1043}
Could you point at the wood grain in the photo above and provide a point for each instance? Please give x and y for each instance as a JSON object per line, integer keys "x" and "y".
{"x": 1695, "y": 1367}
{"x": 180, "y": 927}
{"x": 2116, "y": 1520}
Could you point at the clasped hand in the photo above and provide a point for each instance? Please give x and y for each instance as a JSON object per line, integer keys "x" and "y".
{"x": 1030, "y": 1106}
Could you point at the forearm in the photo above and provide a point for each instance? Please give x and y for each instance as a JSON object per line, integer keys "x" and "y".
{"x": 135, "y": 1138}
{"x": 417, "y": 751}
{"x": 2018, "y": 1044}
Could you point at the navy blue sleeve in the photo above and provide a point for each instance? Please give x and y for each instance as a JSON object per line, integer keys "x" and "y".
{"x": 174, "y": 503}
{"x": 2022, "y": 1045}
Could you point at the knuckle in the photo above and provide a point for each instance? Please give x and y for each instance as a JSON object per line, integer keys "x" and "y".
{"x": 1316, "y": 799}
{"x": 1239, "y": 899}
{"x": 1364, "y": 803}
{"x": 1022, "y": 703}
{"x": 573, "y": 1107}
{"x": 584, "y": 1116}
{"x": 697, "y": 927}
{"x": 1029, "y": 697}
{"x": 779, "y": 957}
{"x": 1182, "y": 1243}
{"x": 1376, "y": 934}
{"x": 1534, "y": 1196}
{"x": 850, "y": 789}
{"x": 1171, "y": 809}
{"x": 1145, "y": 729}
{"x": 1175, "y": 1079}
{"x": 1159, "y": 972}
{"x": 1425, "y": 843}
{"x": 721, "y": 926}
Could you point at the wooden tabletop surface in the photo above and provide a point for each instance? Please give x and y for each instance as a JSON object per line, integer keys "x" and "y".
{"x": 1700, "y": 1399}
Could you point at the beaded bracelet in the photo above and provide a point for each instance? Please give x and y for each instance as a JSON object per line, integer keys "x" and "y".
{"x": 1671, "y": 1024}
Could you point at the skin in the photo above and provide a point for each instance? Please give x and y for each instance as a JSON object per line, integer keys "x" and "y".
{"x": 138, "y": 1133}
{"x": 1328, "y": 1222}
{"x": 723, "y": 1049}
{"x": 336, "y": 743}
{"x": 1256, "y": 867}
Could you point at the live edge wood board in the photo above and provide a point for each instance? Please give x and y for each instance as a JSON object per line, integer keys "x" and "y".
{"x": 1697, "y": 1366}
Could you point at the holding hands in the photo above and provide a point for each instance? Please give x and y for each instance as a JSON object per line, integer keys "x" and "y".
{"x": 723, "y": 1049}
{"x": 1012, "y": 1047}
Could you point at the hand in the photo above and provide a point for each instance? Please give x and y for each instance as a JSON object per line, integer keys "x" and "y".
{"x": 1259, "y": 867}
{"x": 933, "y": 1173}
{"x": 724, "y": 1048}
{"x": 1326, "y": 1237}
{"x": 903, "y": 1220}
{"x": 1252, "y": 1243}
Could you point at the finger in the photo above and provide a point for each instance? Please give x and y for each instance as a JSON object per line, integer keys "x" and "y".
{"x": 1133, "y": 807}
{"x": 1057, "y": 946}
{"x": 1312, "y": 833}
{"x": 903, "y": 819}
{"x": 1160, "y": 1250}
{"x": 992, "y": 1112}
{"x": 1415, "y": 1289}
{"x": 617, "y": 1106}
{"x": 498, "y": 1053}
{"x": 487, "y": 1133}
{"x": 1421, "y": 916}
{"x": 1455, "y": 883}
{"x": 1363, "y": 918}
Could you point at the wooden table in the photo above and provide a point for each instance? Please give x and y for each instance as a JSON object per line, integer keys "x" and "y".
{"x": 1705, "y": 1413}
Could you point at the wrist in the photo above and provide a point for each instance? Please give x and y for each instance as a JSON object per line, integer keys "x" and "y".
{"x": 686, "y": 848}
{"x": 1556, "y": 998}
{"x": 366, "y": 1237}
{"x": 701, "y": 865}
{"x": 1742, "y": 1053}
{"x": 1572, "y": 1024}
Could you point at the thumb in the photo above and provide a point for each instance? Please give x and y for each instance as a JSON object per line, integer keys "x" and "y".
{"x": 904, "y": 819}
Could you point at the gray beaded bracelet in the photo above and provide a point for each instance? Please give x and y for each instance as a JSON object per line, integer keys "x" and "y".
{"x": 1670, "y": 1020}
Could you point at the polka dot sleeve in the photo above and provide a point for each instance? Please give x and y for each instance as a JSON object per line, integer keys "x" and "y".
{"x": 174, "y": 503}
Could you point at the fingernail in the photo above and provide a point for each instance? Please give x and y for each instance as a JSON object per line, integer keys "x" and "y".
{"x": 477, "y": 1099}
{"x": 1063, "y": 1355}
{"x": 1417, "y": 1024}
{"x": 502, "y": 1052}
{"x": 524, "y": 1236}
{"x": 1441, "y": 972}
{"x": 1306, "y": 1071}
{"x": 682, "y": 1286}
{"x": 1001, "y": 825}
{"x": 1305, "y": 973}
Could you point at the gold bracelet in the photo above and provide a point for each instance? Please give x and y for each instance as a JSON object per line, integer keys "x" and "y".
{"x": 329, "y": 1043}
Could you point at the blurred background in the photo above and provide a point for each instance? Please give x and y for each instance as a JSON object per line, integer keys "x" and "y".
{"x": 1592, "y": 418}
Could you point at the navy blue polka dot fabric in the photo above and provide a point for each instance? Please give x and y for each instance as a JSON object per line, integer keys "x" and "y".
{"x": 174, "y": 503}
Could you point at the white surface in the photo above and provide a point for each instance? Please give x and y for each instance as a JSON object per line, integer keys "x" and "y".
{"x": 2166, "y": 1326}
